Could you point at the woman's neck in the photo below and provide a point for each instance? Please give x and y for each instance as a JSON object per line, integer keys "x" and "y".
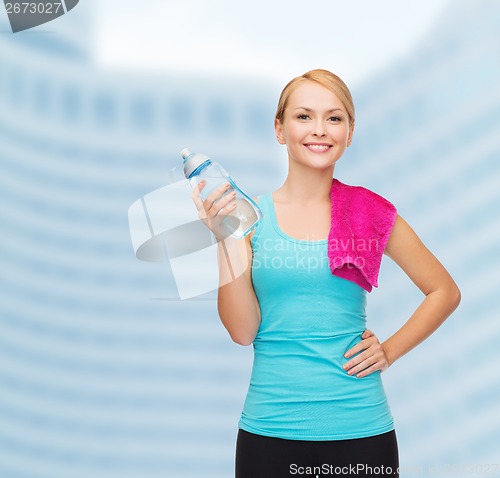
{"x": 306, "y": 187}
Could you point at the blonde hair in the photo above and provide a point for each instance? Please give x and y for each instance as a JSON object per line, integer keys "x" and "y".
{"x": 325, "y": 78}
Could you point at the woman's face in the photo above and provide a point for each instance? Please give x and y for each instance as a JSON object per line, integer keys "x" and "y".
{"x": 315, "y": 126}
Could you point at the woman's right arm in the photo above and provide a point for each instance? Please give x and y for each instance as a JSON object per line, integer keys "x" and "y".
{"x": 237, "y": 303}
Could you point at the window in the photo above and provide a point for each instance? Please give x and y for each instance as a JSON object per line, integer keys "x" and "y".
{"x": 143, "y": 113}
{"x": 104, "y": 109}
{"x": 259, "y": 121}
{"x": 71, "y": 103}
{"x": 180, "y": 115}
{"x": 219, "y": 118}
{"x": 41, "y": 96}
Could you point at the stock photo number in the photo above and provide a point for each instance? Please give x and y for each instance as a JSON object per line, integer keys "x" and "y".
{"x": 34, "y": 7}
{"x": 25, "y": 15}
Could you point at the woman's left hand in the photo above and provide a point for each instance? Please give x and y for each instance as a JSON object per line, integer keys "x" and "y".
{"x": 372, "y": 359}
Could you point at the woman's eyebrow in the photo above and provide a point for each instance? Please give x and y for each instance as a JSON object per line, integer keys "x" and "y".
{"x": 309, "y": 109}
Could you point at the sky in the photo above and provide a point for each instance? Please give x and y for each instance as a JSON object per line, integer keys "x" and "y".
{"x": 276, "y": 39}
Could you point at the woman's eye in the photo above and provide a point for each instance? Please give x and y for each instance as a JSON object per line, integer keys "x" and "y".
{"x": 303, "y": 116}
{"x": 336, "y": 118}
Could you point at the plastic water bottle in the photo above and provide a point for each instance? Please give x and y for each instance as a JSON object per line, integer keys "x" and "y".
{"x": 245, "y": 216}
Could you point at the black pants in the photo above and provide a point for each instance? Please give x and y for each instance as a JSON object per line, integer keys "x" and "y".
{"x": 267, "y": 457}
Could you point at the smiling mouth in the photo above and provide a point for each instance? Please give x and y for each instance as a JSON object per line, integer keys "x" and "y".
{"x": 318, "y": 148}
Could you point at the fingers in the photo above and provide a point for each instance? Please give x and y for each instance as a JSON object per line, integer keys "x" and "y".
{"x": 365, "y": 343}
{"x": 215, "y": 196}
{"x": 376, "y": 366}
{"x": 370, "y": 361}
{"x": 212, "y": 198}
{"x": 362, "y": 366}
{"x": 367, "y": 333}
{"x": 224, "y": 204}
{"x": 371, "y": 358}
{"x": 217, "y": 203}
{"x": 196, "y": 195}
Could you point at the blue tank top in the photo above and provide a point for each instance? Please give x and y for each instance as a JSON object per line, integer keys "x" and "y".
{"x": 309, "y": 319}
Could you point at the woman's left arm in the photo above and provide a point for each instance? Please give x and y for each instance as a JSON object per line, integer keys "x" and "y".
{"x": 442, "y": 294}
{"x": 442, "y": 297}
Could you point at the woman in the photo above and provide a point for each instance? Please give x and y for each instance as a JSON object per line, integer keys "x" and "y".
{"x": 316, "y": 404}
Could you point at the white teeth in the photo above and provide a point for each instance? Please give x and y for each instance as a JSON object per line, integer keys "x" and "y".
{"x": 317, "y": 147}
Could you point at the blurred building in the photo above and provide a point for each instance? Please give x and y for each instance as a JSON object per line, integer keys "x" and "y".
{"x": 103, "y": 372}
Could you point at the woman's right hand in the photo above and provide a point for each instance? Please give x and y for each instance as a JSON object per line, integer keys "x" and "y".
{"x": 212, "y": 211}
{"x": 237, "y": 303}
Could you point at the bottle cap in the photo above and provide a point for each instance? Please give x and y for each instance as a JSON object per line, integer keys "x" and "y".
{"x": 185, "y": 153}
{"x": 192, "y": 161}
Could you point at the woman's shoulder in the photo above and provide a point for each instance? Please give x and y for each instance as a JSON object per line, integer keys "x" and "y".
{"x": 361, "y": 195}
{"x": 262, "y": 197}
{"x": 350, "y": 188}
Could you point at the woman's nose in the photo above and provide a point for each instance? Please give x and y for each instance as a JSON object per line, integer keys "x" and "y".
{"x": 319, "y": 129}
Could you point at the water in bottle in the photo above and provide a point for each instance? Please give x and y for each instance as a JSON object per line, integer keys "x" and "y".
{"x": 245, "y": 216}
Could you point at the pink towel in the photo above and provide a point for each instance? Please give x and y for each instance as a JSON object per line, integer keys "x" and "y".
{"x": 361, "y": 223}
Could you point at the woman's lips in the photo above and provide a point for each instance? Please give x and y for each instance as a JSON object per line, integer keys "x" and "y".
{"x": 318, "y": 147}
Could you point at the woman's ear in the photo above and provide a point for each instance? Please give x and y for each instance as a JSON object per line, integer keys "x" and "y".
{"x": 278, "y": 127}
{"x": 349, "y": 137}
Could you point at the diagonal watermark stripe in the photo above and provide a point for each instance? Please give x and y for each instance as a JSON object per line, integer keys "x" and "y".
{"x": 164, "y": 225}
